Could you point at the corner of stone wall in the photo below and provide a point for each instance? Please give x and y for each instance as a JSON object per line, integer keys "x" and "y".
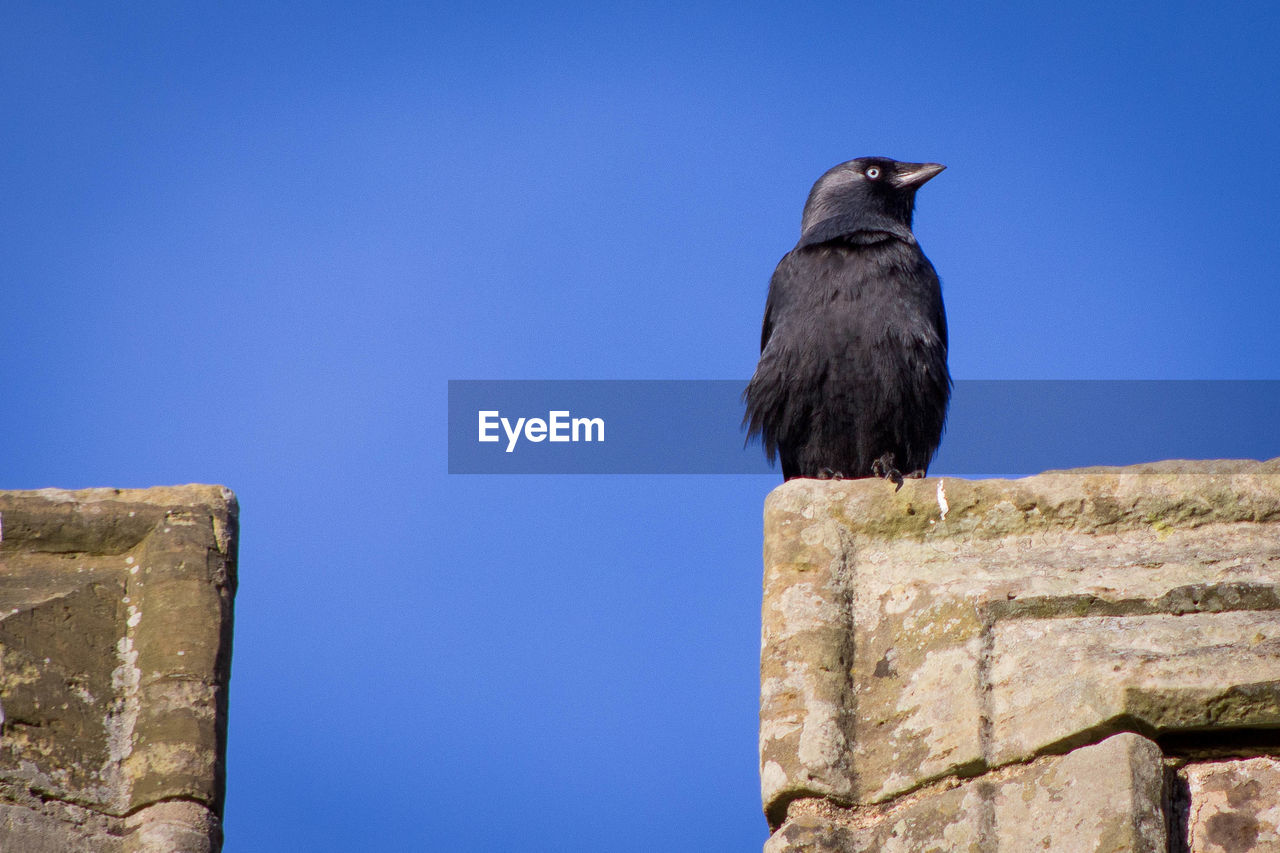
{"x": 115, "y": 655}
{"x": 1082, "y": 660}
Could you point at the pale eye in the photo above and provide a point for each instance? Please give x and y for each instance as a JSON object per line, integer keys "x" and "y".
{"x": 873, "y": 172}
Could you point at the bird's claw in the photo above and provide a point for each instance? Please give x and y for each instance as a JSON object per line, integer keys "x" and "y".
{"x": 883, "y": 467}
{"x": 828, "y": 474}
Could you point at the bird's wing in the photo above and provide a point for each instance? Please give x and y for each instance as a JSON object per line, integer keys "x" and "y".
{"x": 938, "y": 312}
{"x": 772, "y": 303}
{"x": 776, "y": 303}
{"x": 766, "y": 329}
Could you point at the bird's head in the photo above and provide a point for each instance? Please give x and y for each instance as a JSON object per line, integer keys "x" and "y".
{"x": 865, "y": 192}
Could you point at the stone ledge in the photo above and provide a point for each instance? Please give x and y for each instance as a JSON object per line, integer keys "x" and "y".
{"x": 115, "y": 645}
{"x": 957, "y": 627}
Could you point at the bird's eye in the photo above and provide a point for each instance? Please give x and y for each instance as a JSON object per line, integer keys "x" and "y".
{"x": 873, "y": 172}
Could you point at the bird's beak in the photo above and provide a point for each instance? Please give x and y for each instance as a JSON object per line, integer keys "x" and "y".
{"x": 912, "y": 175}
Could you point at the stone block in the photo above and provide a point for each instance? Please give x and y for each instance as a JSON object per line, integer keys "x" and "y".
{"x": 1234, "y": 805}
{"x": 1103, "y": 798}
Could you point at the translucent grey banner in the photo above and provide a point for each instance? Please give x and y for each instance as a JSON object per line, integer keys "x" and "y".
{"x": 995, "y": 428}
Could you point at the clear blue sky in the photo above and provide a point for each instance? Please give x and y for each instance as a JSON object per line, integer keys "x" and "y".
{"x": 249, "y": 244}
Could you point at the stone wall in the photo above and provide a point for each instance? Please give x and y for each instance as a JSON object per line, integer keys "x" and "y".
{"x": 115, "y": 651}
{"x": 1082, "y": 660}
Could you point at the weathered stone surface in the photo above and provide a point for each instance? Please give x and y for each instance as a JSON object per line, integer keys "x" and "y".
{"x": 176, "y": 825}
{"x": 1054, "y": 681}
{"x": 1235, "y": 806}
{"x": 115, "y": 644}
{"x": 53, "y": 827}
{"x": 1098, "y": 799}
{"x": 956, "y": 626}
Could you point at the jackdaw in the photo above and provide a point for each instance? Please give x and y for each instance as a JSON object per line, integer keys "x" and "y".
{"x": 852, "y": 380}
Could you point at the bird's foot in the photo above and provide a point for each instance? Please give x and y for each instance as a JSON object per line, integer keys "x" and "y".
{"x": 917, "y": 474}
{"x": 883, "y": 467}
{"x": 828, "y": 474}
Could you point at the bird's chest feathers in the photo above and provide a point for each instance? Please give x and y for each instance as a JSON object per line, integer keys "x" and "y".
{"x": 866, "y": 296}
{"x": 842, "y": 278}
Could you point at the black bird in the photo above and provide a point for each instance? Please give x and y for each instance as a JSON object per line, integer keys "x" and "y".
{"x": 852, "y": 380}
